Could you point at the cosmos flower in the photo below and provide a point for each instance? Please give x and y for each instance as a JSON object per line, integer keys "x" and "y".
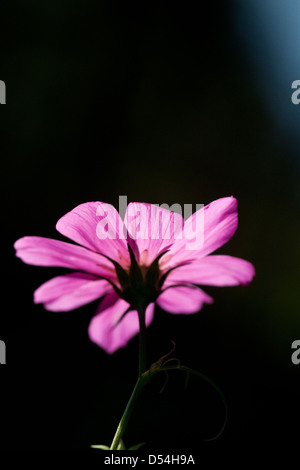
{"x": 153, "y": 256}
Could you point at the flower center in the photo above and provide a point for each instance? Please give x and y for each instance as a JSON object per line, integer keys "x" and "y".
{"x": 140, "y": 283}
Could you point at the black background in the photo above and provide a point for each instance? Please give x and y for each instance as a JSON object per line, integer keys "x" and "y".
{"x": 156, "y": 102}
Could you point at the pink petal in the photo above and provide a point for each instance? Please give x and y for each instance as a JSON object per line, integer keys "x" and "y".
{"x": 96, "y": 226}
{"x": 41, "y": 251}
{"x": 181, "y": 299}
{"x": 152, "y": 229}
{"x": 215, "y": 270}
{"x": 70, "y": 291}
{"x": 104, "y": 329}
{"x": 219, "y": 220}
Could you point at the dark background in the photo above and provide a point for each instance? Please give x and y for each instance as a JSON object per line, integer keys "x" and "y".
{"x": 162, "y": 103}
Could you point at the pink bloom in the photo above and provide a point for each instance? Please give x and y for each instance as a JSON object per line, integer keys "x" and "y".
{"x": 147, "y": 253}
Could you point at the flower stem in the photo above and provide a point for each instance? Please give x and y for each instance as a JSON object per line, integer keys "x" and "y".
{"x": 140, "y": 382}
{"x": 142, "y": 341}
{"x": 127, "y": 413}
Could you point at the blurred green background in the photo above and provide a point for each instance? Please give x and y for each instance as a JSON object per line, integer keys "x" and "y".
{"x": 164, "y": 103}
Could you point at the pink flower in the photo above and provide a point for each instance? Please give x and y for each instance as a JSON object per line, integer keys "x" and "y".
{"x": 147, "y": 256}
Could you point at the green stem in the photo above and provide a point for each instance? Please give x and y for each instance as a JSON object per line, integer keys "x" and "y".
{"x": 138, "y": 386}
{"x": 127, "y": 413}
{"x": 142, "y": 341}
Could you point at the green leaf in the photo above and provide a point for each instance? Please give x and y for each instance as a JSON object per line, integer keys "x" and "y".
{"x": 137, "y": 446}
{"x": 121, "y": 445}
{"x": 100, "y": 446}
